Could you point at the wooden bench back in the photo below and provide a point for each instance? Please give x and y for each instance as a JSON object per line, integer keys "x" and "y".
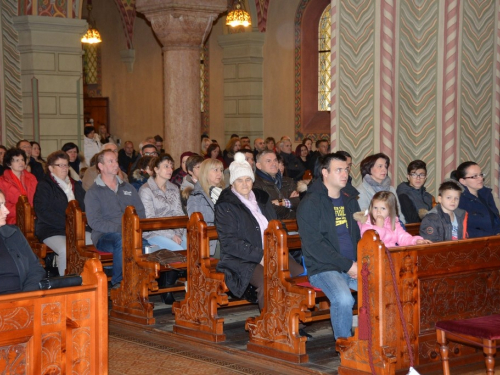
{"x": 25, "y": 217}
{"x": 440, "y": 281}
{"x": 62, "y": 331}
{"x": 131, "y": 299}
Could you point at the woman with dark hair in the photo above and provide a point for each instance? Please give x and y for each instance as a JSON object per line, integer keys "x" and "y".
{"x": 76, "y": 162}
{"x": 270, "y": 143}
{"x": 142, "y": 172}
{"x": 181, "y": 172}
{"x": 308, "y": 143}
{"x": 20, "y": 270}
{"x": 375, "y": 174}
{"x": 232, "y": 147}
{"x": 51, "y": 199}
{"x": 161, "y": 198}
{"x": 242, "y": 215}
{"x": 483, "y": 216}
{"x": 301, "y": 152}
{"x": 3, "y": 150}
{"x": 16, "y": 181}
{"x": 415, "y": 201}
{"x": 213, "y": 152}
{"x": 36, "y": 152}
{"x": 91, "y": 144}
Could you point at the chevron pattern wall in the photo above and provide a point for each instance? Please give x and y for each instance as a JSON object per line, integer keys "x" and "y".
{"x": 418, "y": 80}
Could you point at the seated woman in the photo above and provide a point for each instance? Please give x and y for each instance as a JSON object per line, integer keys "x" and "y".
{"x": 52, "y": 195}
{"x": 477, "y": 199}
{"x": 193, "y": 165}
{"x": 301, "y": 152}
{"x": 36, "y": 153}
{"x": 374, "y": 171}
{"x": 241, "y": 217}
{"x": 76, "y": 162}
{"x": 20, "y": 270}
{"x": 179, "y": 174}
{"x": 161, "y": 198}
{"x": 142, "y": 172}
{"x": 206, "y": 192}
{"x": 232, "y": 147}
{"x": 213, "y": 152}
{"x": 16, "y": 181}
{"x": 415, "y": 201}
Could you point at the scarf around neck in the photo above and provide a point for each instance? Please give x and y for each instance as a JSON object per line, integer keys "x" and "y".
{"x": 385, "y": 185}
{"x": 65, "y": 185}
{"x": 277, "y": 180}
{"x": 253, "y": 206}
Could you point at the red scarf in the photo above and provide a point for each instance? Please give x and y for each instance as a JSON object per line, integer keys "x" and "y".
{"x": 17, "y": 181}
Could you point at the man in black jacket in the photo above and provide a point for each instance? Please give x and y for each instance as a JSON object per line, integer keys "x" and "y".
{"x": 329, "y": 236}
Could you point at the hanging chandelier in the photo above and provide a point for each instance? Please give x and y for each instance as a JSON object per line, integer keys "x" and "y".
{"x": 92, "y": 36}
{"x": 238, "y": 16}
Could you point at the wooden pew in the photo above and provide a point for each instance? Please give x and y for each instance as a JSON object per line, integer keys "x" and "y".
{"x": 196, "y": 315}
{"x": 131, "y": 300}
{"x": 275, "y": 332}
{"x": 25, "y": 220}
{"x": 440, "y": 281}
{"x": 413, "y": 229}
{"x": 77, "y": 252}
{"x": 58, "y": 331}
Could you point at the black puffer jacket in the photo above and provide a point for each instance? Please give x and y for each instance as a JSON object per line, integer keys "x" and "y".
{"x": 50, "y": 203}
{"x": 240, "y": 238}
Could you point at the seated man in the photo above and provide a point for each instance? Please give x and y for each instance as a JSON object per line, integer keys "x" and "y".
{"x": 281, "y": 190}
{"x": 91, "y": 172}
{"x": 105, "y": 203}
{"x": 330, "y": 236}
{"x": 126, "y": 156}
{"x": 293, "y": 165}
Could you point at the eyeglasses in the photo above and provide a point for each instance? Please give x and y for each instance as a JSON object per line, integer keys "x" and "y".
{"x": 62, "y": 166}
{"x": 421, "y": 175}
{"x": 476, "y": 176}
{"x": 154, "y": 153}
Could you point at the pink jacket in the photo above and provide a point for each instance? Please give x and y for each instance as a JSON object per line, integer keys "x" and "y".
{"x": 391, "y": 238}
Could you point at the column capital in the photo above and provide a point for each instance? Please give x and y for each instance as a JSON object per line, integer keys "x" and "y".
{"x": 181, "y": 24}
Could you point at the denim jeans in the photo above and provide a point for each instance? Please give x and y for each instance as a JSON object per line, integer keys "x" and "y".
{"x": 336, "y": 286}
{"x": 167, "y": 243}
{"x": 112, "y": 243}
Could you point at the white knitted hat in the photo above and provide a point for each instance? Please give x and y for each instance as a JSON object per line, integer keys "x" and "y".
{"x": 240, "y": 168}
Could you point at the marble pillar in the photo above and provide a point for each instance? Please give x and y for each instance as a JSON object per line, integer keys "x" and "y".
{"x": 51, "y": 78}
{"x": 243, "y": 84}
{"x": 181, "y": 27}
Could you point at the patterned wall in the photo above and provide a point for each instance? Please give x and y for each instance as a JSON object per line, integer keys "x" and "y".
{"x": 417, "y": 80}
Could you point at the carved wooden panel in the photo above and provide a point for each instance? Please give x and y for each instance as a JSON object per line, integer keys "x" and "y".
{"x": 80, "y": 309}
{"x": 51, "y": 353}
{"x": 14, "y": 359}
{"x": 51, "y": 313}
{"x": 81, "y": 341}
{"x": 459, "y": 257}
{"x": 12, "y": 319}
{"x": 459, "y": 296}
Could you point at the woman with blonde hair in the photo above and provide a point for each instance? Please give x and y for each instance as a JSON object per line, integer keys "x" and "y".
{"x": 232, "y": 147}
{"x": 206, "y": 192}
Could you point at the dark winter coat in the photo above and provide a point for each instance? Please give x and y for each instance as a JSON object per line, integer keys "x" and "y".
{"x": 240, "y": 238}
{"x": 483, "y": 219}
{"x": 436, "y": 225}
{"x": 316, "y": 220}
{"x": 412, "y": 200}
{"x": 293, "y": 166}
{"x": 50, "y": 203}
{"x": 287, "y": 187}
{"x": 29, "y": 268}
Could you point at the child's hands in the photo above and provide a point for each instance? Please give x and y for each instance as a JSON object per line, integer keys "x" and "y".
{"x": 423, "y": 242}
{"x": 379, "y": 221}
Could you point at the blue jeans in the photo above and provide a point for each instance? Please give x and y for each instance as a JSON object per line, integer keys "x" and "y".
{"x": 167, "y": 243}
{"x": 112, "y": 243}
{"x": 336, "y": 286}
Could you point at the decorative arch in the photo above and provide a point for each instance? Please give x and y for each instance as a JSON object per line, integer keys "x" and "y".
{"x": 309, "y": 121}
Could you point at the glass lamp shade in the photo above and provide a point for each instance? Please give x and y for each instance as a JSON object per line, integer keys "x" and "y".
{"x": 238, "y": 17}
{"x": 92, "y": 36}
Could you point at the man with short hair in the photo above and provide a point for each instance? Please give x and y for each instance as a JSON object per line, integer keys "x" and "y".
{"x": 281, "y": 190}
{"x": 349, "y": 164}
{"x": 32, "y": 165}
{"x": 322, "y": 146}
{"x": 91, "y": 172}
{"x": 148, "y": 149}
{"x": 293, "y": 166}
{"x": 258, "y": 146}
{"x": 245, "y": 142}
{"x": 126, "y": 156}
{"x": 330, "y": 236}
{"x": 105, "y": 203}
{"x": 159, "y": 144}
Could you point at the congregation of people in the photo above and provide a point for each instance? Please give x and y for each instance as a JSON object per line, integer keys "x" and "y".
{"x": 238, "y": 190}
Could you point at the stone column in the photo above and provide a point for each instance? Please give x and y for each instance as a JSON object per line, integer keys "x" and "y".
{"x": 243, "y": 84}
{"x": 51, "y": 76}
{"x": 181, "y": 27}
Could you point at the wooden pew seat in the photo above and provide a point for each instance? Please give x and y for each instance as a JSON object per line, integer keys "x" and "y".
{"x": 58, "y": 331}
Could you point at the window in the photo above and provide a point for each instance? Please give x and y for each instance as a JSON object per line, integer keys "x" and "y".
{"x": 324, "y": 60}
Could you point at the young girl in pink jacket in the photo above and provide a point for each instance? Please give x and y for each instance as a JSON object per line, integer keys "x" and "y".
{"x": 382, "y": 217}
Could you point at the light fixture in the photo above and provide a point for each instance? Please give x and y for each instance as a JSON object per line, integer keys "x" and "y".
{"x": 92, "y": 35}
{"x": 238, "y": 16}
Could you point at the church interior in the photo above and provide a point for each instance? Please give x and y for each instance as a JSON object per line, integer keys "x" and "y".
{"x": 413, "y": 79}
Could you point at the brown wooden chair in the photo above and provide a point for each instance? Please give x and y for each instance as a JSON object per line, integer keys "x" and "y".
{"x": 483, "y": 331}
